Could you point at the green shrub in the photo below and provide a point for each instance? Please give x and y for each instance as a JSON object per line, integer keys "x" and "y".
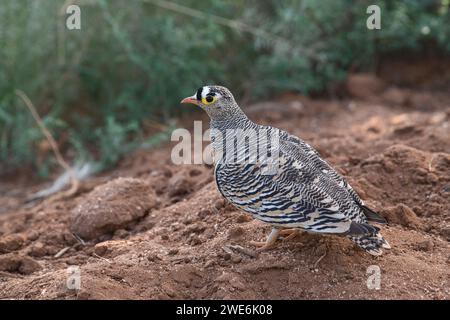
{"x": 134, "y": 60}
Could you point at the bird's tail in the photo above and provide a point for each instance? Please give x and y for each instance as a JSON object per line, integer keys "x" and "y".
{"x": 371, "y": 243}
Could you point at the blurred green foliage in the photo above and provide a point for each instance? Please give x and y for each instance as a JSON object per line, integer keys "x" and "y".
{"x": 134, "y": 60}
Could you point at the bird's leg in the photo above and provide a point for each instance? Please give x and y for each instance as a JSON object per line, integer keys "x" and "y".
{"x": 269, "y": 243}
{"x": 289, "y": 233}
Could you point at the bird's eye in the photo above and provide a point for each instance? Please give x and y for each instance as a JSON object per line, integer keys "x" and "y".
{"x": 209, "y": 99}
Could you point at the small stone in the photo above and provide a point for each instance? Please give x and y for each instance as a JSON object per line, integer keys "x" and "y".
{"x": 242, "y": 218}
{"x": 37, "y": 250}
{"x": 349, "y": 276}
{"x": 224, "y": 277}
{"x": 194, "y": 240}
{"x": 33, "y": 235}
{"x": 195, "y": 172}
{"x": 235, "y": 232}
{"x": 226, "y": 256}
{"x": 445, "y": 232}
{"x": 188, "y": 220}
{"x": 426, "y": 245}
{"x": 236, "y": 258}
{"x": 69, "y": 239}
{"x": 236, "y": 283}
{"x": 179, "y": 185}
{"x": 100, "y": 248}
{"x": 209, "y": 263}
{"x": 209, "y": 233}
{"x": 169, "y": 290}
{"x": 204, "y": 213}
{"x": 164, "y": 237}
{"x": 219, "y": 204}
{"x": 167, "y": 173}
{"x": 153, "y": 257}
{"x": 11, "y": 243}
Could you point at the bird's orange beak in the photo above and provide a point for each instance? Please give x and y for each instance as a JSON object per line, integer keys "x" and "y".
{"x": 192, "y": 100}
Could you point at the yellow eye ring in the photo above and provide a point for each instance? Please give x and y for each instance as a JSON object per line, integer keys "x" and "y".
{"x": 209, "y": 99}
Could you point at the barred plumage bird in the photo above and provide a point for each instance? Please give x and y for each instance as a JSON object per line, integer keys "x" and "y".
{"x": 296, "y": 189}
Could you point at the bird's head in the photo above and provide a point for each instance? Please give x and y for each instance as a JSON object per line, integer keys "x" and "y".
{"x": 217, "y": 101}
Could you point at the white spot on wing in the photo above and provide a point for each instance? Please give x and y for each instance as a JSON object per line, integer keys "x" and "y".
{"x": 335, "y": 207}
{"x": 297, "y": 165}
{"x": 327, "y": 200}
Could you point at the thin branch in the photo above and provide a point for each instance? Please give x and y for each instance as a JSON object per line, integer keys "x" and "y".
{"x": 52, "y": 142}
{"x": 430, "y": 163}
{"x": 320, "y": 259}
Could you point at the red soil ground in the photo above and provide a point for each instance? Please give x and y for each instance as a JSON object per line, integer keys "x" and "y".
{"x": 179, "y": 237}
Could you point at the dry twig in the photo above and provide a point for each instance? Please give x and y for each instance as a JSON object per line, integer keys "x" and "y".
{"x": 430, "y": 167}
{"x": 320, "y": 259}
{"x": 74, "y": 180}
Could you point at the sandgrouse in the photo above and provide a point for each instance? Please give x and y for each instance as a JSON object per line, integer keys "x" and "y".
{"x": 280, "y": 179}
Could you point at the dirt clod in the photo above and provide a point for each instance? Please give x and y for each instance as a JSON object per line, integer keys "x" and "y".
{"x": 402, "y": 214}
{"x": 18, "y": 264}
{"x": 235, "y": 232}
{"x": 242, "y": 218}
{"x": 111, "y": 206}
{"x": 445, "y": 232}
{"x": 426, "y": 245}
{"x": 101, "y": 248}
{"x": 11, "y": 243}
{"x": 38, "y": 249}
{"x": 179, "y": 185}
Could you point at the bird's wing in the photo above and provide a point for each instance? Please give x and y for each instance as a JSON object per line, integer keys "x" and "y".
{"x": 292, "y": 198}
{"x": 300, "y": 150}
{"x": 313, "y": 207}
{"x": 318, "y": 174}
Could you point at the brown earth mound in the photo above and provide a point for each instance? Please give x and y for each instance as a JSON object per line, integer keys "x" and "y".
{"x": 111, "y": 206}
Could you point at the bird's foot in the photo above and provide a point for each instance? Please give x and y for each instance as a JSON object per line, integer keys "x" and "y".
{"x": 289, "y": 234}
{"x": 262, "y": 245}
{"x": 269, "y": 243}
